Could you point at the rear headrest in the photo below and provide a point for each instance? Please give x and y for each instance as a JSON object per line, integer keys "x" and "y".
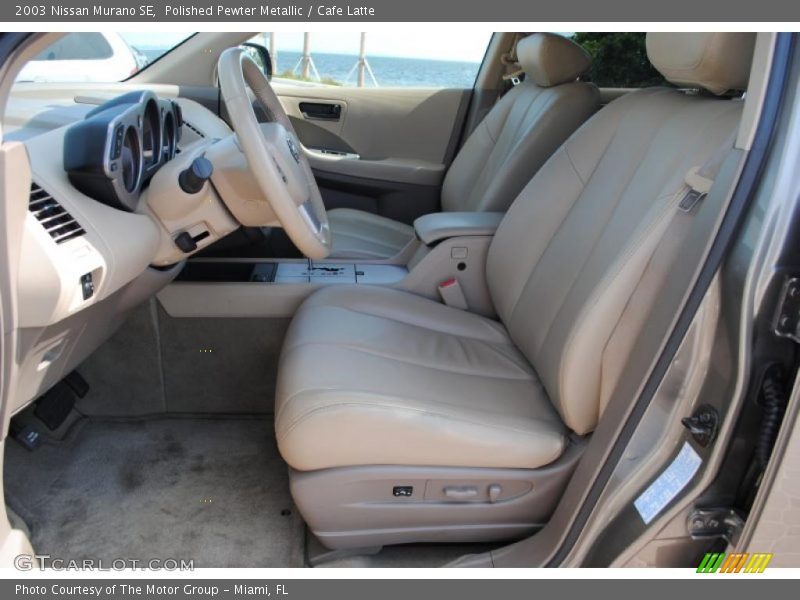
{"x": 717, "y": 61}
{"x": 549, "y": 59}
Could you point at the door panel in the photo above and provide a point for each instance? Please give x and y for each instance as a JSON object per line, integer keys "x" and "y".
{"x": 383, "y": 150}
{"x": 379, "y": 123}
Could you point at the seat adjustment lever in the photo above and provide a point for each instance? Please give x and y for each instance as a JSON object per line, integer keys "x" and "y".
{"x": 461, "y": 492}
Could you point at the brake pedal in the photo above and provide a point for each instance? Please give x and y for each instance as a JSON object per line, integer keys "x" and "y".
{"x": 54, "y": 406}
{"x": 78, "y": 384}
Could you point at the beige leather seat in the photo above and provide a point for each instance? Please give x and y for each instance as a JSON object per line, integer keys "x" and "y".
{"x": 517, "y": 136}
{"x": 374, "y": 377}
{"x": 425, "y": 385}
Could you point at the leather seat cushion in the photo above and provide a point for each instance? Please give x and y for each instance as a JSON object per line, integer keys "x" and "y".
{"x": 359, "y": 234}
{"x": 378, "y": 376}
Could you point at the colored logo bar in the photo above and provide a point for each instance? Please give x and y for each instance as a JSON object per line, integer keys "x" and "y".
{"x": 738, "y": 562}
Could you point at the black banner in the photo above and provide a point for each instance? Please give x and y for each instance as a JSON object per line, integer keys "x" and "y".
{"x": 608, "y": 11}
{"x": 732, "y": 588}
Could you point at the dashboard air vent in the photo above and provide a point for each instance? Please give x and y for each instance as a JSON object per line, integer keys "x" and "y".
{"x": 54, "y": 218}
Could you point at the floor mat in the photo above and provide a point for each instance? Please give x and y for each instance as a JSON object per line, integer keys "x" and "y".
{"x": 212, "y": 491}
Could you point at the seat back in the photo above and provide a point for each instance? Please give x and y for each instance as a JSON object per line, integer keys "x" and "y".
{"x": 572, "y": 249}
{"x": 524, "y": 128}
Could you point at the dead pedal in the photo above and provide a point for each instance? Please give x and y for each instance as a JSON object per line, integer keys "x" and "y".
{"x": 26, "y": 435}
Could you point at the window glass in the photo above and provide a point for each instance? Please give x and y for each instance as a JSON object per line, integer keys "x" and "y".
{"x": 618, "y": 60}
{"x": 401, "y": 59}
{"x": 78, "y": 46}
{"x": 113, "y": 56}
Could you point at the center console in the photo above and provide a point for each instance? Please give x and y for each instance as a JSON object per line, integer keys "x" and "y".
{"x": 448, "y": 264}
{"x": 297, "y": 272}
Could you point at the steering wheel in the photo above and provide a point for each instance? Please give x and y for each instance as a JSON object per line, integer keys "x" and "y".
{"x": 274, "y": 154}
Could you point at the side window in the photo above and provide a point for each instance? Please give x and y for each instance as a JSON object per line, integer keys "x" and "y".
{"x": 619, "y": 60}
{"x": 105, "y": 57}
{"x": 78, "y": 46}
{"x": 402, "y": 59}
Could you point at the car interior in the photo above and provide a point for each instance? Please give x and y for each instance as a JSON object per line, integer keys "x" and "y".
{"x": 264, "y": 325}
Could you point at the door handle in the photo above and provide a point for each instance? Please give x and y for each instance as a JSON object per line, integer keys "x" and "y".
{"x": 321, "y": 110}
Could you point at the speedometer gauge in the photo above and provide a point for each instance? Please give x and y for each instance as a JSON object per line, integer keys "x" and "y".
{"x": 151, "y": 134}
{"x": 131, "y": 160}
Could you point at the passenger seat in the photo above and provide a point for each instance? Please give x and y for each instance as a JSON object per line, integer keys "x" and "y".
{"x": 516, "y": 138}
{"x": 407, "y": 420}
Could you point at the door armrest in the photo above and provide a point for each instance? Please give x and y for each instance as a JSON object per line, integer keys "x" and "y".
{"x": 436, "y": 227}
{"x": 397, "y": 170}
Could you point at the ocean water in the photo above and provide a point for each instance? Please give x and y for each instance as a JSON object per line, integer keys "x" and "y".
{"x": 389, "y": 71}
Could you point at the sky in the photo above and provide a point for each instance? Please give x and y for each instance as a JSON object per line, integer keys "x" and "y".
{"x": 446, "y": 45}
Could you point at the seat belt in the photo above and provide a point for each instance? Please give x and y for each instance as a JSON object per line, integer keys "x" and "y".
{"x": 509, "y": 59}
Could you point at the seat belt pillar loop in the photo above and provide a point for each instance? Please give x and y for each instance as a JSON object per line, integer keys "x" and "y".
{"x": 700, "y": 179}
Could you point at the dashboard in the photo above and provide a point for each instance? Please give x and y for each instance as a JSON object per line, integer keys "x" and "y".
{"x": 105, "y": 211}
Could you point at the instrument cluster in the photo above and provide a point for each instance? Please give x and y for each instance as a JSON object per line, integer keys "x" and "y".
{"x": 118, "y": 146}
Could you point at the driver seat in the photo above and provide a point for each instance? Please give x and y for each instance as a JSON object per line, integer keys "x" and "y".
{"x": 516, "y": 138}
{"x": 405, "y": 420}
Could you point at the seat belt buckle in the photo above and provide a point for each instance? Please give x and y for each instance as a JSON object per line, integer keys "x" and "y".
{"x": 515, "y": 81}
{"x": 452, "y": 294}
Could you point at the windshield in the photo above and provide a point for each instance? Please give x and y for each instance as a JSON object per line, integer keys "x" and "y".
{"x": 99, "y": 57}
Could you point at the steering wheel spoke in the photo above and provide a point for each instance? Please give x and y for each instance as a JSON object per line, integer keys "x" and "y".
{"x": 274, "y": 154}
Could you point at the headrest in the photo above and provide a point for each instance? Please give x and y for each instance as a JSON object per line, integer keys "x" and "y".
{"x": 717, "y": 61}
{"x": 549, "y": 59}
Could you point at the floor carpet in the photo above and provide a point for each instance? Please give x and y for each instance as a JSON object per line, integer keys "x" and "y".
{"x": 214, "y": 491}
